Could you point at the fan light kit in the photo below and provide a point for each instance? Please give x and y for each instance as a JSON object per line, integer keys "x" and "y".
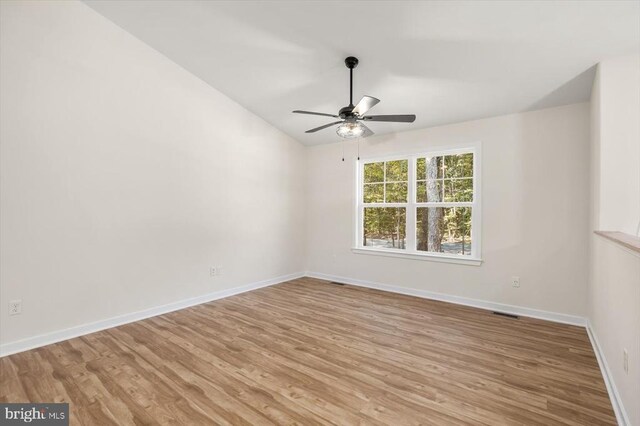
{"x": 350, "y": 129}
{"x": 351, "y": 116}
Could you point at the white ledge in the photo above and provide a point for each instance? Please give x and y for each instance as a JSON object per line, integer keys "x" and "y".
{"x": 432, "y": 257}
{"x": 628, "y": 241}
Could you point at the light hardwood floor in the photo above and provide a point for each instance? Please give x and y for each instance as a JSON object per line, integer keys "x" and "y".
{"x": 311, "y": 352}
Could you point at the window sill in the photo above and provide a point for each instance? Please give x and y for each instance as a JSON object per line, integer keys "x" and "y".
{"x": 414, "y": 256}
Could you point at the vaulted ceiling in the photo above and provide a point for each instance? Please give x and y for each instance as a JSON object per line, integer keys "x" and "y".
{"x": 444, "y": 61}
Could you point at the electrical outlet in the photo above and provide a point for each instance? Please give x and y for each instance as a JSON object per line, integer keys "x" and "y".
{"x": 213, "y": 271}
{"x": 515, "y": 282}
{"x": 15, "y": 307}
{"x": 625, "y": 361}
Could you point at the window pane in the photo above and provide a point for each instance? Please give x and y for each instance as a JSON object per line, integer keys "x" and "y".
{"x": 433, "y": 191}
{"x": 458, "y": 166}
{"x": 444, "y": 229}
{"x": 374, "y": 172}
{"x": 421, "y": 192}
{"x": 396, "y": 193}
{"x": 456, "y": 190}
{"x": 373, "y": 193}
{"x": 397, "y": 170}
{"x": 434, "y": 168}
{"x": 385, "y": 227}
{"x": 429, "y": 191}
{"x": 421, "y": 169}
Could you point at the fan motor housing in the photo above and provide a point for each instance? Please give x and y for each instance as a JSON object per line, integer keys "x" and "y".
{"x": 346, "y": 112}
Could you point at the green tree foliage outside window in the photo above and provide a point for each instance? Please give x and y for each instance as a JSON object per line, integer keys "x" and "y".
{"x": 385, "y": 227}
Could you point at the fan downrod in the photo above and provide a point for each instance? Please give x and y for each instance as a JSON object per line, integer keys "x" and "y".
{"x": 345, "y": 113}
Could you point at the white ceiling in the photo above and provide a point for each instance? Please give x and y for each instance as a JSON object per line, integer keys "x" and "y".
{"x": 445, "y": 61}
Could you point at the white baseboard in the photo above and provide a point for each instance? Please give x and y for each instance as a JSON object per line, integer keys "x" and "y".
{"x": 614, "y": 396}
{"x": 81, "y": 330}
{"x": 476, "y": 303}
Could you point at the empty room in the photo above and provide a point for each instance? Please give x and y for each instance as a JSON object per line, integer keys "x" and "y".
{"x": 319, "y": 212}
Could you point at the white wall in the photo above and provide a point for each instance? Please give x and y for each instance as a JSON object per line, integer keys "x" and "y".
{"x": 619, "y": 154}
{"x": 535, "y": 192}
{"x": 124, "y": 177}
{"x": 614, "y": 281}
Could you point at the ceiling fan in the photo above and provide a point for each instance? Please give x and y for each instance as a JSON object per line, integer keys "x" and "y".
{"x": 351, "y": 117}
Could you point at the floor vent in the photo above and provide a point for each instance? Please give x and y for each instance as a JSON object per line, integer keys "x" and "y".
{"x": 504, "y": 314}
{"x": 336, "y": 283}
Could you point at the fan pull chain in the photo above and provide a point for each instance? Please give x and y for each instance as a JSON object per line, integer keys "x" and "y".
{"x": 343, "y": 149}
{"x": 358, "y": 149}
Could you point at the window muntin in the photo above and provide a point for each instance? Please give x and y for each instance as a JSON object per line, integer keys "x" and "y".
{"x": 421, "y": 204}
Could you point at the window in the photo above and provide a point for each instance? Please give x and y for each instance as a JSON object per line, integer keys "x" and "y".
{"x": 423, "y": 205}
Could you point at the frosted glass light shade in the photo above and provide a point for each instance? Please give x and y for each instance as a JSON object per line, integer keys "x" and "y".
{"x": 350, "y": 129}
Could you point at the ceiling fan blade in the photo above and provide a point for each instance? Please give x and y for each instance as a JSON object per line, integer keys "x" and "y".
{"x": 367, "y": 131}
{"x": 365, "y": 104}
{"x": 323, "y": 127}
{"x": 403, "y": 118}
{"x": 315, "y": 113}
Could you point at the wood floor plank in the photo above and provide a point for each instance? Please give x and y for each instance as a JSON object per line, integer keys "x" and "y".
{"x": 315, "y": 353}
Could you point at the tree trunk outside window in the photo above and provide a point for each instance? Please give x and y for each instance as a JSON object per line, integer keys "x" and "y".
{"x": 434, "y": 215}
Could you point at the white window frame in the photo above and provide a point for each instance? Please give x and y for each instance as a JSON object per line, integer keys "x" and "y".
{"x": 410, "y": 252}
